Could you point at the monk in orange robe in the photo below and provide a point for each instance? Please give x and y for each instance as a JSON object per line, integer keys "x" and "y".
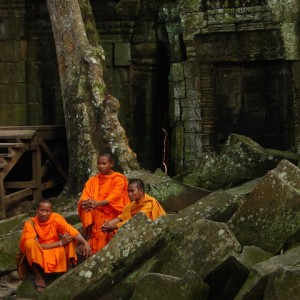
{"x": 49, "y": 243}
{"x": 103, "y": 199}
{"x": 140, "y": 202}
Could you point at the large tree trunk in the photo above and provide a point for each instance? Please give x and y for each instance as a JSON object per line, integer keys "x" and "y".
{"x": 91, "y": 115}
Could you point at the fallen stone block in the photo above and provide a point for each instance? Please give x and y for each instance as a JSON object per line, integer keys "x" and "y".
{"x": 276, "y": 278}
{"x": 241, "y": 160}
{"x": 200, "y": 247}
{"x": 270, "y": 215}
{"x": 226, "y": 279}
{"x": 9, "y": 247}
{"x": 12, "y": 224}
{"x": 155, "y": 286}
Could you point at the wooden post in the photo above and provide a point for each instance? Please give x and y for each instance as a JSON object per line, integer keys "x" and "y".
{"x": 2, "y": 194}
{"x": 37, "y": 173}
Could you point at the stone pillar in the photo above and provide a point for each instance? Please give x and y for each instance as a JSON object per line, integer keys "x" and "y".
{"x": 184, "y": 82}
{"x": 185, "y": 116}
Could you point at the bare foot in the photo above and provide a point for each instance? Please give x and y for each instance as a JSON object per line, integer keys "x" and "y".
{"x": 40, "y": 285}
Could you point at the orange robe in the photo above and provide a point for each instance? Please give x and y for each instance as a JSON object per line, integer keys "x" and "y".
{"x": 51, "y": 260}
{"x": 148, "y": 205}
{"x": 112, "y": 188}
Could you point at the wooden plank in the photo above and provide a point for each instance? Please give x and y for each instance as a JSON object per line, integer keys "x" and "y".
{"x": 46, "y": 132}
{"x": 17, "y": 196}
{"x": 29, "y": 184}
{"x": 46, "y": 167}
{"x": 17, "y": 134}
{"x": 54, "y": 161}
{"x": 33, "y": 127}
{"x": 54, "y": 134}
{"x": 6, "y": 155}
{"x": 37, "y": 174}
{"x": 12, "y": 145}
{"x": 2, "y": 194}
{"x": 14, "y": 159}
{"x": 20, "y": 184}
{"x": 48, "y": 184}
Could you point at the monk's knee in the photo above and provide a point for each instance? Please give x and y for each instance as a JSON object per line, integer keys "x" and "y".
{"x": 29, "y": 244}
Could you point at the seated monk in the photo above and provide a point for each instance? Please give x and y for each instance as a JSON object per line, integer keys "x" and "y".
{"x": 48, "y": 242}
{"x": 103, "y": 199}
{"x": 140, "y": 202}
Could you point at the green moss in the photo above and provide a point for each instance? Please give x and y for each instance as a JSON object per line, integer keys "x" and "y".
{"x": 164, "y": 190}
{"x": 11, "y": 224}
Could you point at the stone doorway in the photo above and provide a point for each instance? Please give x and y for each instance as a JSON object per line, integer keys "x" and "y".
{"x": 254, "y": 99}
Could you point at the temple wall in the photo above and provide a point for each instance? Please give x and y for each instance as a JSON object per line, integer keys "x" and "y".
{"x": 29, "y": 83}
{"x": 197, "y": 68}
{"x": 229, "y": 45}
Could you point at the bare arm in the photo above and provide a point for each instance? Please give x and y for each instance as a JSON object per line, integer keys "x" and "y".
{"x": 91, "y": 204}
{"x": 86, "y": 249}
{"x": 66, "y": 239}
{"x": 111, "y": 225}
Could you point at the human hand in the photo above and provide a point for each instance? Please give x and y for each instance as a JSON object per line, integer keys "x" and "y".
{"x": 86, "y": 250}
{"x": 107, "y": 227}
{"x": 88, "y": 205}
{"x": 66, "y": 239}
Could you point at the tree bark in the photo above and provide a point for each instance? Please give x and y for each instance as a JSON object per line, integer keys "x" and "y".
{"x": 91, "y": 115}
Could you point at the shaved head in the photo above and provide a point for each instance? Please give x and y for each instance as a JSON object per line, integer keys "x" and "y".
{"x": 138, "y": 182}
{"x": 108, "y": 155}
{"x": 44, "y": 200}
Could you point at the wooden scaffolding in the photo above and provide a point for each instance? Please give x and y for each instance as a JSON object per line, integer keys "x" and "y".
{"x": 40, "y": 146}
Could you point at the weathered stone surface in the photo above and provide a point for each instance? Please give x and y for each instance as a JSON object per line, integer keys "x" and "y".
{"x": 127, "y": 8}
{"x": 240, "y": 160}
{"x": 134, "y": 241}
{"x": 72, "y": 218}
{"x": 177, "y": 89}
{"x": 283, "y": 284}
{"x": 15, "y": 114}
{"x": 9, "y": 285}
{"x": 277, "y": 278}
{"x": 155, "y": 286}
{"x": 200, "y": 247}
{"x": 9, "y": 247}
{"x": 177, "y": 72}
{"x": 11, "y": 224}
{"x": 252, "y": 255}
{"x": 145, "y": 32}
{"x": 218, "y": 206}
{"x": 226, "y": 279}
{"x": 122, "y": 54}
{"x": 271, "y": 213}
{"x": 244, "y": 189}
